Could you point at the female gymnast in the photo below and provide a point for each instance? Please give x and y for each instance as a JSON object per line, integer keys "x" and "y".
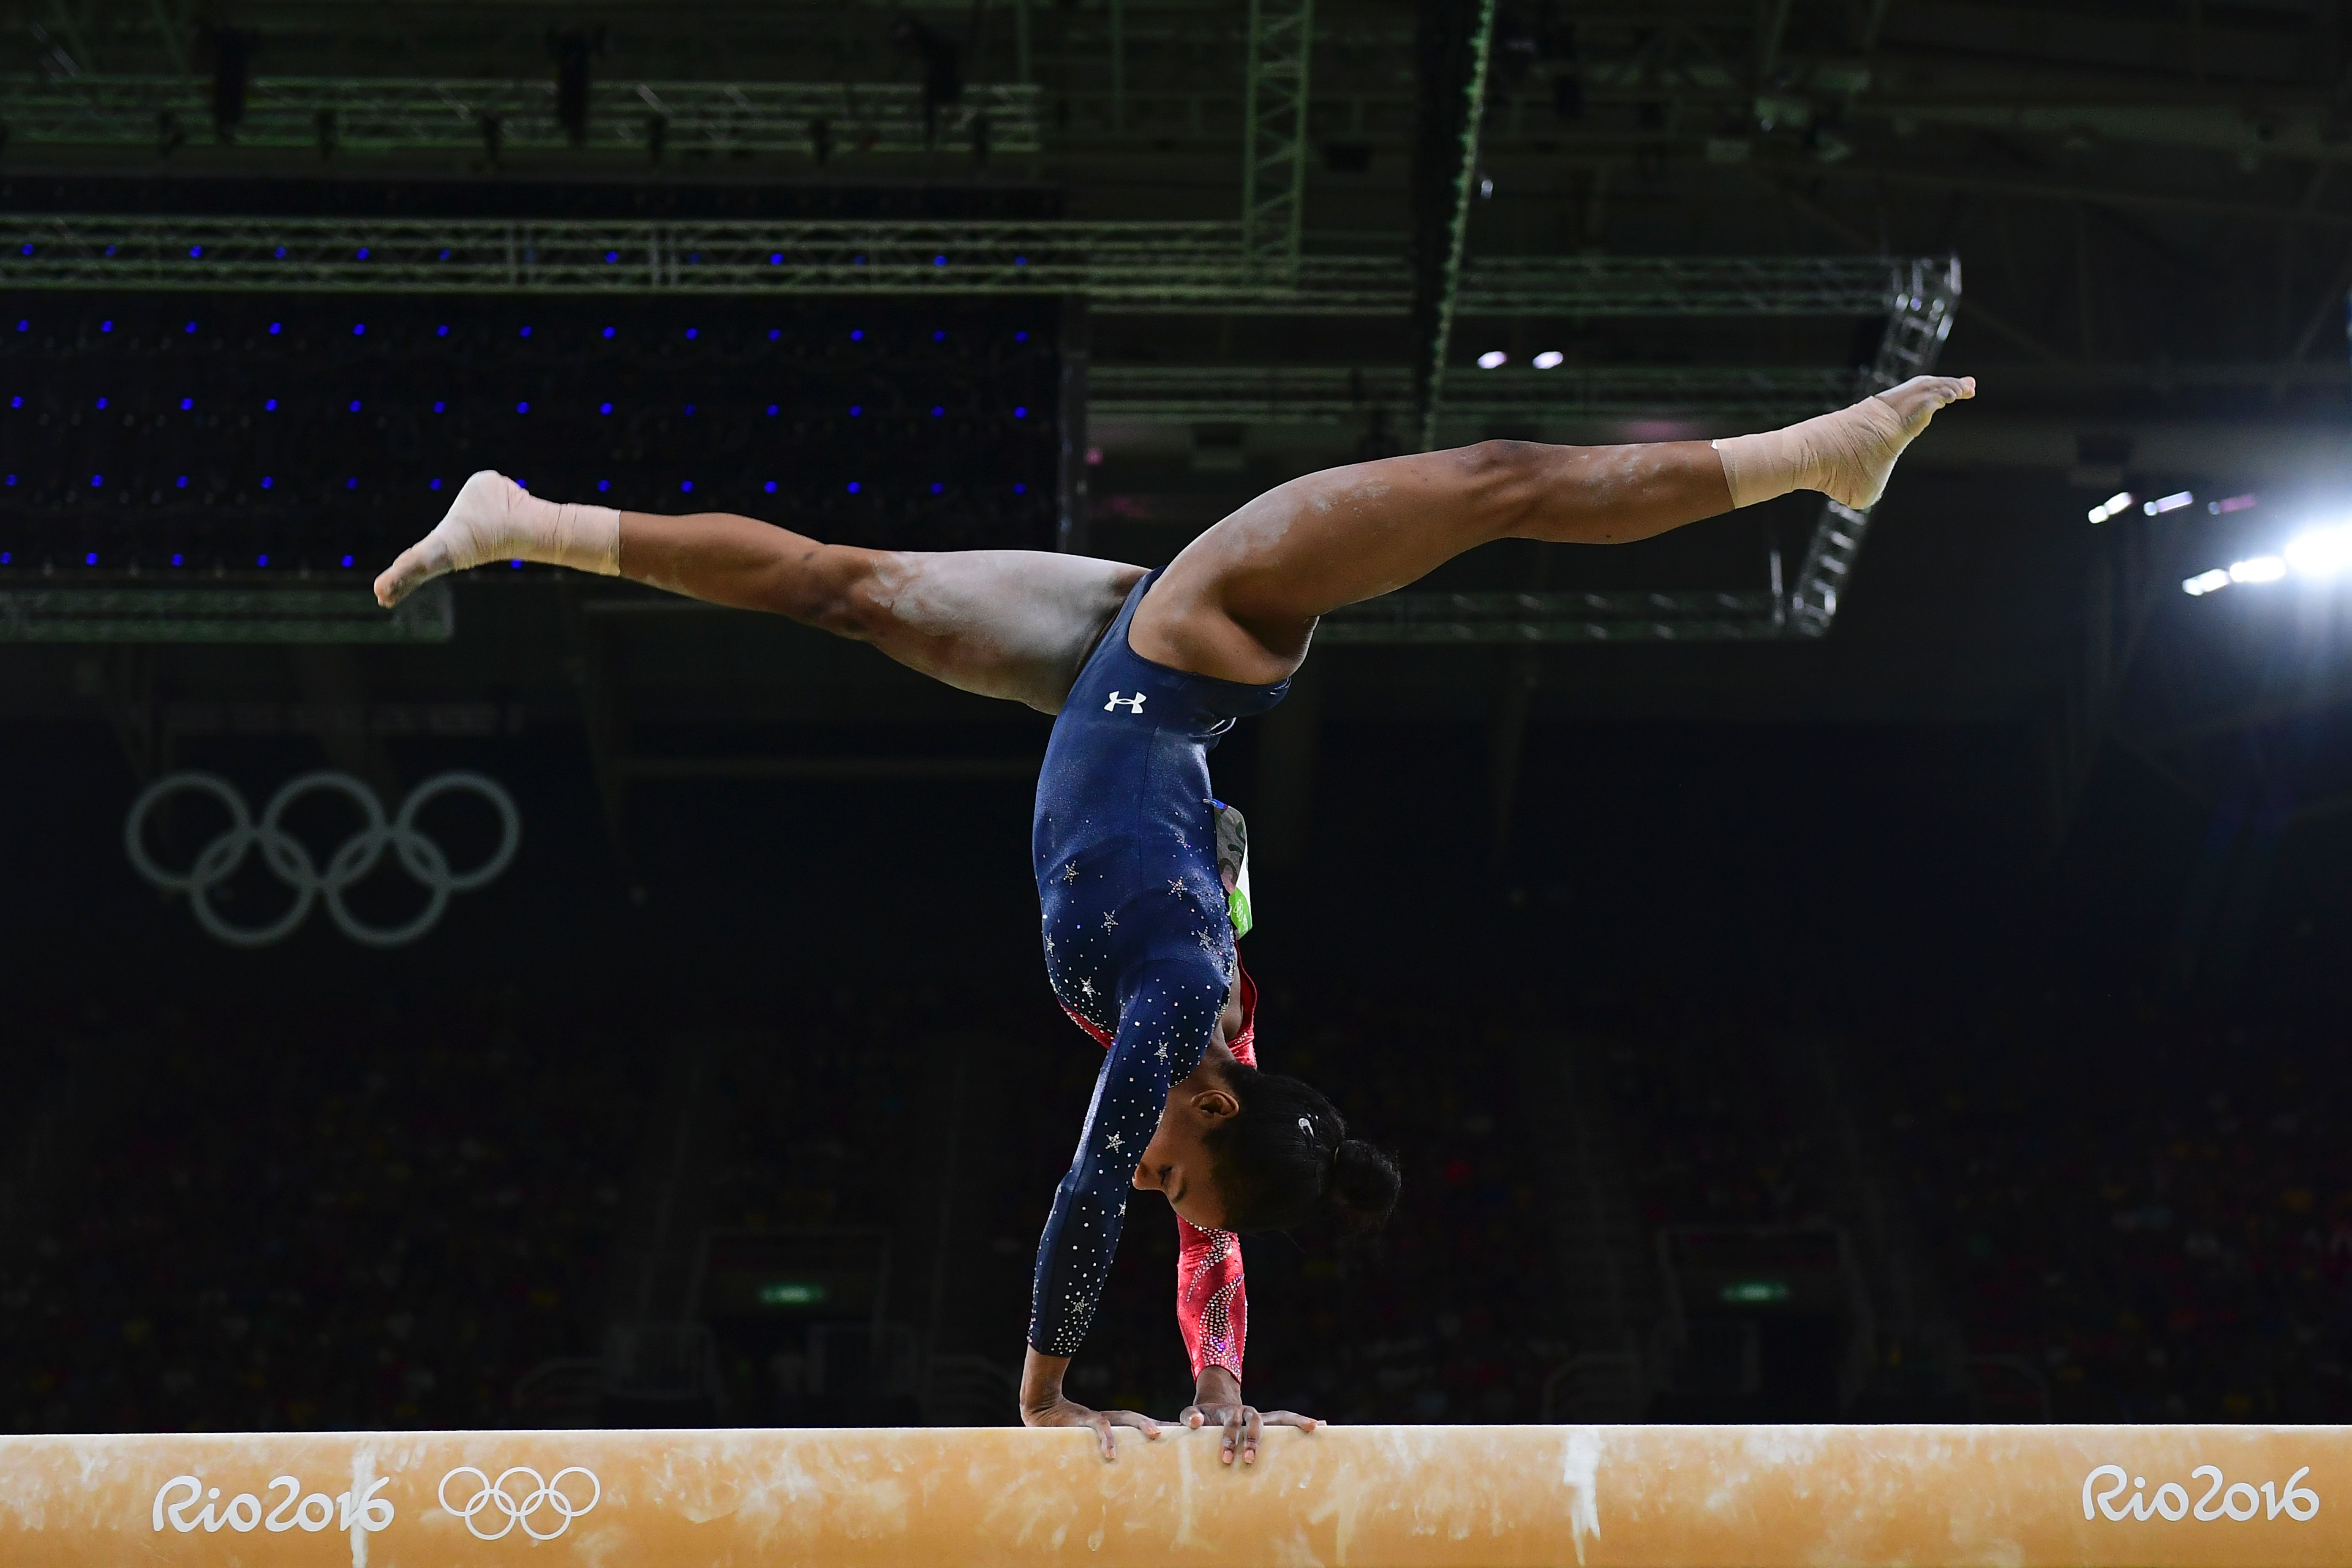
{"x": 1144, "y": 671}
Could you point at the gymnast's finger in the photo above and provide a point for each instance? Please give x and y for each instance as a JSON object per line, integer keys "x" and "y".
{"x": 1292, "y": 1419}
{"x": 1234, "y": 1414}
{"x": 1194, "y": 1417}
{"x": 1250, "y": 1435}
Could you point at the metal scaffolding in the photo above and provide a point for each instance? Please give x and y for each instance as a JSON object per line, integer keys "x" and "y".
{"x": 1132, "y": 269}
{"x": 1466, "y": 620}
{"x": 389, "y": 114}
{"x": 1274, "y": 132}
{"x": 1136, "y": 266}
{"x": 241, "y": 613}
{"x": 1120, "y": 266}
{"x": 1313, "y": 395}
{"x": 1449, "y": 272}
{"x": 1919, "y": 319}
{"x": 1682, "y": 285}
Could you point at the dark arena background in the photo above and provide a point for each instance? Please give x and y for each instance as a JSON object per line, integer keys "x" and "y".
{"x": 1819, "y": 965}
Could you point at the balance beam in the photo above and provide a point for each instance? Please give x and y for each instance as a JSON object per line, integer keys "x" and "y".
{"x": 1360, "y": 1496}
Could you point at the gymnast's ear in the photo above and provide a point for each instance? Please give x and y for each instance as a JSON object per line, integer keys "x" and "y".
{"x": 1215, "y": 1105}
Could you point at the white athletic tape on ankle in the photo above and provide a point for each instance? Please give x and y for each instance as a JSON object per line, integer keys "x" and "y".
{"x": 1846, "y": 454}
{"x": 585, "y": 538}
{"x": 494, "y": 519}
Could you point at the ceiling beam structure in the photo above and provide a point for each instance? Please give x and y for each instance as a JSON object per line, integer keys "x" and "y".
{"x": 1179, "y": 266}
{"x": 1456, "y": 44}
{"x": 2136, "y": 158}
{"x": 1274, "y": 131}
{"x": 814, "y": 121}
{"x": 1321, "y": 394}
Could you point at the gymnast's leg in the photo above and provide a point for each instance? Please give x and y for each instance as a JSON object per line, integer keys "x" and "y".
{"x": 1015, "y": 624}
{"x": 1241, "y": 601}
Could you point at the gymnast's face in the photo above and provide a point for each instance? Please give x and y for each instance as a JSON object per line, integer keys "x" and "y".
{"x": 1176, "y": 1161}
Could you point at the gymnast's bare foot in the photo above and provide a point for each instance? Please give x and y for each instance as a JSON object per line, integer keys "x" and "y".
{"x": 495, "y": 518}
{"x": 1846, "y": 455}
{"x": 1857, "y": 477}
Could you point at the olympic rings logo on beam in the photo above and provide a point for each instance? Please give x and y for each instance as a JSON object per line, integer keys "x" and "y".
{"x": 544, "y": 1494}
{"x": 290, "y": 859}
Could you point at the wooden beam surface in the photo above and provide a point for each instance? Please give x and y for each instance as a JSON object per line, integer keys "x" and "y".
{"x": 1366, "y": 1496}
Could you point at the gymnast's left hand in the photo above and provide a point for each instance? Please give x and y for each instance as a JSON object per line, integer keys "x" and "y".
{"x": 1042, "y": 1405}
{"x": 1217, "y": 1401}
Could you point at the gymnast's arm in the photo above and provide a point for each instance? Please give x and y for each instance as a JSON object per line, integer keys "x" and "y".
{"x": 1168, "y": 1014}
{"x": 1211, "y": 1295}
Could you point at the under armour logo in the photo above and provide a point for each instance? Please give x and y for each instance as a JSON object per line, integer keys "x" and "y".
{"x": 1134, "y": 704}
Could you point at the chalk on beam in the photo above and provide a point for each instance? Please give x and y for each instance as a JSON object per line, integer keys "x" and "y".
{"x": 1365, "y": 1497}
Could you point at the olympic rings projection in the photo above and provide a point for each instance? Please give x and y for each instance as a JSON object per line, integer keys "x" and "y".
{"x": 544, "y": 1494}
{"x": 290, "y": 859}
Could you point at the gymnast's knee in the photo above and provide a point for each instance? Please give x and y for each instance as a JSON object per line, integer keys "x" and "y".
{"x": 847, "y": 592}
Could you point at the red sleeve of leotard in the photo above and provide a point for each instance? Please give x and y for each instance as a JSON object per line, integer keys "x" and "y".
{"x": 1212, "y": 1306}
{"x": 1212, "y": 1300}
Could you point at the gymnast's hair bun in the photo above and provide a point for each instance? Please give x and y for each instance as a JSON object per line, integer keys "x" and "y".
{"x": 1363, "y": 1185}
{"x": 1286, "y": 1159}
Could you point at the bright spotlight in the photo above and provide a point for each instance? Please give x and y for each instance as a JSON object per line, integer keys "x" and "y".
{"x": 2257, "y": 569}
{"x": 1493, "y": 359}
{"x": 2113, "y": 506}
{"x": 1549, "y": 360}
{"x": 2173, "y": 502}
{"x": 2205, "y": 582}
{"x": 2321, "y": 552}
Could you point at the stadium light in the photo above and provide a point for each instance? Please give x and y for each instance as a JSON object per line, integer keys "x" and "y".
{"x": 2112, "y": 507}
{"x": 1549, "y": 360}
{"x": 2173, "y": 502}
{"x": 2321, "y": 552}
{"x": 1493, "y": 359}
{"x": 2317, "y": 553}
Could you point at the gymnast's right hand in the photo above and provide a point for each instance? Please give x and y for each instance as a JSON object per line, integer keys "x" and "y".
{"x": 1042, "y": 1405}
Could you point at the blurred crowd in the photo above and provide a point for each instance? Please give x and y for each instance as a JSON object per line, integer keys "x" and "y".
{"x": 2154, "y": 1211}
{"x": 315, "y": 1219}
{"x": 302, "y": 1219}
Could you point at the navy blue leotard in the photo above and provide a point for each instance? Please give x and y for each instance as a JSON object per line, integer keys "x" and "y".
{"x": 1138, "y": 945}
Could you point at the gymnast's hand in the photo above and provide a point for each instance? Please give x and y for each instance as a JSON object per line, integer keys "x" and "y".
{"x": 1217, "y": 1399}
{"x": 1042, "y": 1405}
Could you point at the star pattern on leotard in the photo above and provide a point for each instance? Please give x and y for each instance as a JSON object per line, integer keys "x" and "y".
{"x": 1167, "y": 1019}
{"x": 1139, "y": 974}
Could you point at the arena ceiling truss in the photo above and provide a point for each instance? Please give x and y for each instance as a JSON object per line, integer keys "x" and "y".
{"x": 1673, "y": 170}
